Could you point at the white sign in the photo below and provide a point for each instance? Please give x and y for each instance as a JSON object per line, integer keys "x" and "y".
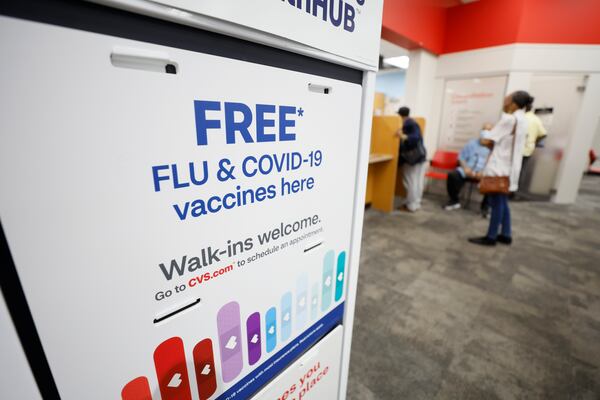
{"x": 468, "y": 104}
{"x": 348, "y": 28}
{"x": 178, "y": 236}
{"x": 314, "y": 376}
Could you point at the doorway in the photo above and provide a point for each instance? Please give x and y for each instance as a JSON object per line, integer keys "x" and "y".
{"x": 557, "y": 102}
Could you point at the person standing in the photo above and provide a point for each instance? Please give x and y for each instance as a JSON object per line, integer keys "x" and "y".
{"x": 412, "y": 158}
{"x": 535, "y": 133}
{"x": 507, "y": 141}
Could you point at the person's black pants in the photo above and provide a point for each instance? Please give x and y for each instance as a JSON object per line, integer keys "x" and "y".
{"x": 523, "y": 174}
{"x": 485, "y": 204}
{"x": 454, "y": 184}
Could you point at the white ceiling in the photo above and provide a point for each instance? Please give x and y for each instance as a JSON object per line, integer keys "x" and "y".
{"x": 389, "y": 49}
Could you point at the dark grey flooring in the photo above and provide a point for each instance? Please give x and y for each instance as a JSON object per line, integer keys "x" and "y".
{"x": 439, "y": 318}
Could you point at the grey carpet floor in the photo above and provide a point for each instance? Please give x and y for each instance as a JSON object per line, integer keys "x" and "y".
{"x": 439, "y": 318}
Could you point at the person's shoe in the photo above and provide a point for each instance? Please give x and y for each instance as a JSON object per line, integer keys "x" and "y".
{"x": 484, "y": 214}
{"x": 483, "y": 241}
{"x": 452, "y": 206}
{"x": 504, "y": 239}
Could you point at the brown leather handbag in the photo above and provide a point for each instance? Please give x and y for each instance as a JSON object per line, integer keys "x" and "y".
{"x": 494, "y": 185}
{"x": 498, "y": 184}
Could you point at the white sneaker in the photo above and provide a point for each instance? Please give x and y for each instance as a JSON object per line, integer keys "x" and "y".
{"x": 450, "y": 207}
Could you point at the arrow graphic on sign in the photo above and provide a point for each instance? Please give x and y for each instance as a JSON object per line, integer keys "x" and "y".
{"x": 231, "y": 343}
{"x": 206, "y": 370}
{"x": 254, "y": 339}
{"x": 175, "y": 381}
{"x": 315, "y": 301}
{"x": 340, "y": 276}
{"x": 302, "y": 301}
{"x": 328, "y": 281}
{"x": 272, "y": 329}
{"x": 286, "y": 317}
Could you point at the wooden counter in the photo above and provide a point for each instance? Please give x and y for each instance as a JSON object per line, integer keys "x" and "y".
{"x": 384, "y": 181}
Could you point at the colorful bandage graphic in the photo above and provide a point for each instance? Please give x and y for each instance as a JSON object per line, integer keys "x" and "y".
{"x": 286, "y": 316}
{"x": 204, "y": 366}
{"x": 171, "y": 370}
{"x": 340, "y": 275}
{"x": 253, "y": 338}
{"x": 169, "y": 356}
{"x": 327, "y": 281}
{"x": 230, "y": 337}
{"x": 271, "y": 329}
{"x": 302, "y": 302}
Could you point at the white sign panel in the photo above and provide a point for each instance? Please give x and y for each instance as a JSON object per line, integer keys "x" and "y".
{"x": 468, "y": 104}
{"x": 314, "y": 376}
{"x": 178, "y": 236}
{"x": 348, "y": 28}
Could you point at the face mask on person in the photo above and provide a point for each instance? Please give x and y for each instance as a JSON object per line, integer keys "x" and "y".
{"x": 484, "y": 134}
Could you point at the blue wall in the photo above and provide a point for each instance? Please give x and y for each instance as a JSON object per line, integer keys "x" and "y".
{"x": 391, "y": 83}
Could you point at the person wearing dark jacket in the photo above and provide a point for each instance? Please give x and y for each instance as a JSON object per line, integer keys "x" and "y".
{"x": 413, "y": 170}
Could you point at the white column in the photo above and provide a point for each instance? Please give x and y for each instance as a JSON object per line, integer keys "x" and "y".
{"x": 518, "y": 81}
{"x": 420, "y": 91}
{"x": 432, "y": 139}
{"x": 575, "y": 158}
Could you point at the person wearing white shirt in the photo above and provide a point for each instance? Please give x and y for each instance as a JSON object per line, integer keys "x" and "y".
{"x": 508, "y": 141}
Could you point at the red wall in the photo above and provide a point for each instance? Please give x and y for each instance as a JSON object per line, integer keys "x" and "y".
{"x": 484, "y": 23}
{"x": 412, "y": 24}
{"x": 560, "y": 21}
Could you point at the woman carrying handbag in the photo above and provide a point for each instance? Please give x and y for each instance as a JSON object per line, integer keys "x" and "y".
{"x": 501, "y": 173}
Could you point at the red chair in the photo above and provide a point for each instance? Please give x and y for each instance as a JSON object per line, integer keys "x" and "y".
{"x": 445, "y": 161}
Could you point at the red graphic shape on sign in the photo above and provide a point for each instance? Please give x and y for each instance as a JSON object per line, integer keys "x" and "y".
{"x": 171, "y": 370}
{"x": 137, "y": 389}
{"x": 204, "y": 364}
